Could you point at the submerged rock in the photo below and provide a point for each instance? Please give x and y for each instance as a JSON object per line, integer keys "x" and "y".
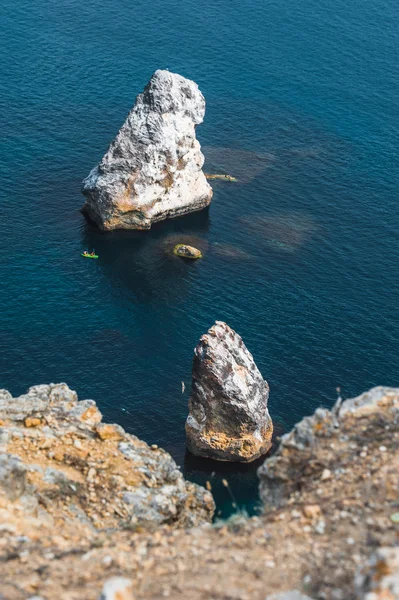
{"x": 228, "y": 417}
{"x": 153, "y": 168}
{"x": 187, "y": 251}
{"x": 220, "y": 176}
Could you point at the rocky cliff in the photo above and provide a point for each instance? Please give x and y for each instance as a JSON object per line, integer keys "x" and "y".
{"x": 61, "y": 467}
{"x": 153, "y": 168}
{"x": 329, "y": 532}
{"x": 228, "y": 417}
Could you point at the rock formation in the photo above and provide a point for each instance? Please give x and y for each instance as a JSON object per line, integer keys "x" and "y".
{"x": 153, "y": 168}
{"x": 228, "y": 417}
{"x": 60, "y": 463}
{"x": 187, "y": 251}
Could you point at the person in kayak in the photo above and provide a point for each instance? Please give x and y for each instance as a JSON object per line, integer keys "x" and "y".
{"x": 92, "y": 253}
{"x": 85, "y": 253}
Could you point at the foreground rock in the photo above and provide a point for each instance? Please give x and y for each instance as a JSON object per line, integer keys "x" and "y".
{"x": 62, "y": 467}
{"x": 281, "y": 476}
{"x": 330, "y": 538}
{"x": 153, "y": 168}
{"x": 228, "y": 418}
{"x": 187, "y": 251}
{"x": 379, "y": 578}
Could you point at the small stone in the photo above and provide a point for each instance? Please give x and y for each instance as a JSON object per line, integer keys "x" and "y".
{"x": 395, "y": 517}
{"x": 117, "y": 588}
{"x": 312, "y": 511}
{"x": 326, "y": 474}
{"x": 350, "y": 541}
{"x": 307, "y": 529}
{"x": 58, "y": 455}
{"x": 382, "y": 449}
{"x": 32, "y": 422}
{"x": 154, "y": 446}
{"x": 296, "y": 514}
{"x": 320, "y": 527}
{"x": 46, "y": 443}
{"x": 91, "y": 474}
{"x": 110, "y": 432}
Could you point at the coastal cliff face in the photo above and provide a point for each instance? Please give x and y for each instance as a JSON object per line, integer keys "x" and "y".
{"x": 329, "y": 528}
{"x": 62, "y": 468}
{"x": 228, "y": 417}
{"x": 153, "y": 168}
{"x": 350, "y": 427}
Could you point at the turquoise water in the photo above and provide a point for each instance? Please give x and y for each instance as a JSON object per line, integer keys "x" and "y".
{"x": 301, "y": 256}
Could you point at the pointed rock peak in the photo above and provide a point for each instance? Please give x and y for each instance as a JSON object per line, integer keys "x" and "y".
{"x": 152, "y": 170}
{"x": 228, "y": 417}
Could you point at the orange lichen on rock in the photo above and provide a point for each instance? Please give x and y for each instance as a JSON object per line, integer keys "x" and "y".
{"x": 32, "y": 422}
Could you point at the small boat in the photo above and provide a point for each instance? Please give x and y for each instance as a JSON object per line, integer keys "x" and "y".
{"x": 222, "y": 176}
{"x": 89, "y": 255}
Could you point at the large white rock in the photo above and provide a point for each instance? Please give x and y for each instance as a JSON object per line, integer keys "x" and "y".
{"x": 153, "y": 168}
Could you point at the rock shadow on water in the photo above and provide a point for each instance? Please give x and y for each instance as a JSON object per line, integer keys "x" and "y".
{"x": 141, "y": 264}
{"x": 285, "y": 233}
{"x": 244, "y": 165}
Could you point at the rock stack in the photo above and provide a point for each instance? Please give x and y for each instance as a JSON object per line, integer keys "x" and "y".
{"x": 153, "y": 168}
{"x": 228, "y": 418}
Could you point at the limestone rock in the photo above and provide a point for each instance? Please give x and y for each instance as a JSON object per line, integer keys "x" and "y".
{"x": 228, "y": 417}
{"x": 153, "y": 168}
{"x": 280, "y": 475}
{"x": 187, "y": 251}
{"x": 97, "y": 474}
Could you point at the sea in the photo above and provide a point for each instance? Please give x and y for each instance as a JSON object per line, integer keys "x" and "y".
{"x": 301, "y": 254}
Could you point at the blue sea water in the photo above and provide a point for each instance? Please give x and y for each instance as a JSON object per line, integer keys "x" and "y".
{"x": 301, "y": 256}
